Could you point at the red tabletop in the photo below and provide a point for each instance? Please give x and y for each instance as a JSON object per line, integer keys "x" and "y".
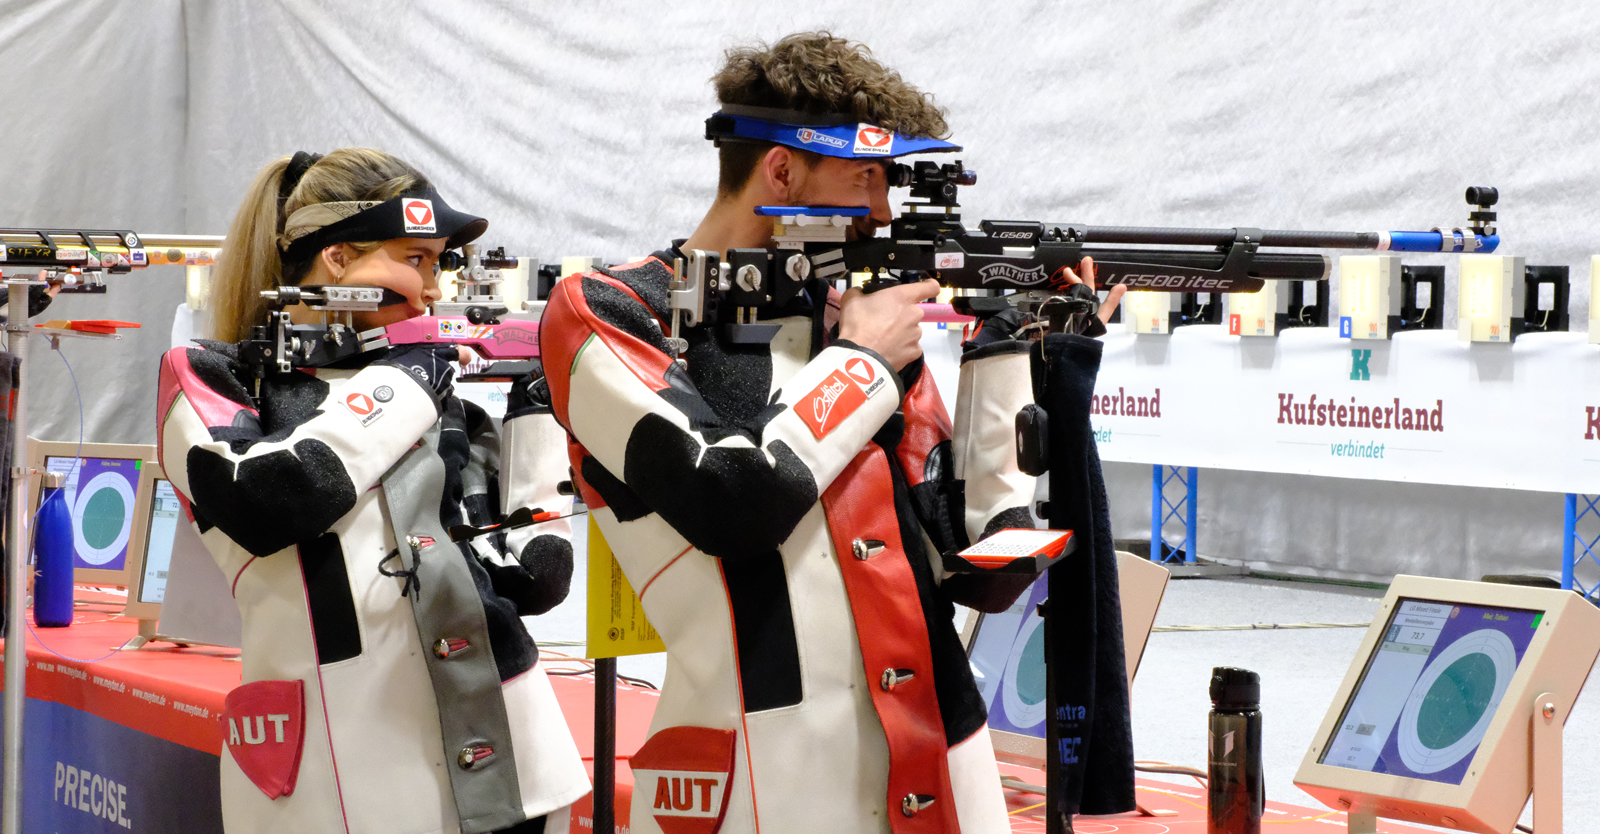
{"x": 177, "y": 694}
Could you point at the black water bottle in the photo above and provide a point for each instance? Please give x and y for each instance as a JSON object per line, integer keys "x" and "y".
{"x": 1237, "y": 794}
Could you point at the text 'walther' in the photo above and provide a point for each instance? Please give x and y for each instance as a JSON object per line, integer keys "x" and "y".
{"x": 1367, "y": 415}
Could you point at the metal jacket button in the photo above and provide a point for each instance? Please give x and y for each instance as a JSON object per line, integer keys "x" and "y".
{"x": 449, "y": 647}
{"x": 894, "y": 677}
{"x": 469, "y": 757}
{"x": 865, "y": 549}
{"x": 914, "y": 802}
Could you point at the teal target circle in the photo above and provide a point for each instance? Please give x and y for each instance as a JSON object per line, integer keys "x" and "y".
{"x": 102, "y": 518}
{"x": 1455, "y": 702}
{"x": 1454, "y": 699}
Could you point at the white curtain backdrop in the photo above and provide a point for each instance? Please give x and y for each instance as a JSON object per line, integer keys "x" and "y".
{"x": 576, "y": 128}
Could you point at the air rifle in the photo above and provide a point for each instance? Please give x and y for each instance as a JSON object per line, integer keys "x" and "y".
{"x": 79, "y": 259}
{"x": 1024, "y": 261}
{"x": 279, "y": 346}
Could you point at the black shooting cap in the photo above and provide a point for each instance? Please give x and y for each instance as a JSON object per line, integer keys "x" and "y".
{"x": 421, "y": 214}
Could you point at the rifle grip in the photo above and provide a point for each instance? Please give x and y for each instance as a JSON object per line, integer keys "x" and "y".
{"x": 876, "y": 283}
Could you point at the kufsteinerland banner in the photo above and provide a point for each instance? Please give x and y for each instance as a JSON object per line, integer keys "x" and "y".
{"x": 1421, "y": 407}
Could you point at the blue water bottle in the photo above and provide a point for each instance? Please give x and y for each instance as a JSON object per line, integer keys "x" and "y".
{"x": 52, "y": 553}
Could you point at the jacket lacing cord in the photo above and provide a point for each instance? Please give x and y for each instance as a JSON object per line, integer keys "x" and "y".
{"x": 412, "y": 586}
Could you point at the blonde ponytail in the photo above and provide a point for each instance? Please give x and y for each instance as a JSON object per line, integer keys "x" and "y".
{"x": 251, "y": 261}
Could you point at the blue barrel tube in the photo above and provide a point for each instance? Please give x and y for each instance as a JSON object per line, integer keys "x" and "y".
{"x": 52, "y": 584}
{"x": 1436, "y": 242}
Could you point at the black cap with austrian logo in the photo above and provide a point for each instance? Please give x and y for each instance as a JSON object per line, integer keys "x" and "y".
{"x": 421, "y": 214}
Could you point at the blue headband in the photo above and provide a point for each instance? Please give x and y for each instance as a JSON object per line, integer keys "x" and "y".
{"x": 828, "y": 135}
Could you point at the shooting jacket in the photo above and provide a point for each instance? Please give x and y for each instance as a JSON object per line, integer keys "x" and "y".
{"x": 325, "y": 502}
{"x": 781, "y": 510}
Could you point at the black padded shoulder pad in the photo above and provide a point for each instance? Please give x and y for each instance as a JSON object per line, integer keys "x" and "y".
{"x": 217, "y": 365}
{"x": 617, "y": 309}
{"x": 649, "y": 279}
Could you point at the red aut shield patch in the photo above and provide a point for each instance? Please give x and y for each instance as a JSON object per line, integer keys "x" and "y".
{"x": 418, "y": 215}
{"x": 686, "y": 770}
{"x": 266, "y": 726}
{"x": 829, "y": 404}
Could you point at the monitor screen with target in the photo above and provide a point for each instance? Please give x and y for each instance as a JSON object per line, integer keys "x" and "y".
{"x": 102, "y": 498}
{"x": 1432, "y": 722}
{"x": 1431, "y": 689}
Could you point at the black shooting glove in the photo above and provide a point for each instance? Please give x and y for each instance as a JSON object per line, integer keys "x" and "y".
{"x": 999, "y": 327}
{"x": 529, "y": 394}
{"x": 432, "y": 366}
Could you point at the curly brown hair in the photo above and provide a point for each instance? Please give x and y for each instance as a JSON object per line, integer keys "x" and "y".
{"x": 816, "y": 72}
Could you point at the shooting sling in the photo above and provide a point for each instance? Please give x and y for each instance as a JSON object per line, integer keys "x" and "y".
{"x": 466, "y": 683}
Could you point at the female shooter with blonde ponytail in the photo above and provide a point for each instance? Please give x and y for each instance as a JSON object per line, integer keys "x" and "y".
{"x": 389, "y": 683}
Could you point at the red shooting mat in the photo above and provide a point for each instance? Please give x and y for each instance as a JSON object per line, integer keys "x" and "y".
{"x": 177, "y": 694}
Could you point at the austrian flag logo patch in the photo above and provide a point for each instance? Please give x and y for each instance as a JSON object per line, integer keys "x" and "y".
{"x": 873, "y": 140}
{"x": 418, "y": 216}
{"x": 861, "y": 371}
{"x": 365, "y": 408}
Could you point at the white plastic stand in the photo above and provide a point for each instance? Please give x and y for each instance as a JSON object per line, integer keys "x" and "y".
{"x": 1549, "y": 714}
{"x": 1362, "y": 821}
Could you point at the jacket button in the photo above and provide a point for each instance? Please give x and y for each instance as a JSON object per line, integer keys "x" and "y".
{"x": 449, "y": 647}
{"x": 914, "y": 802}
{"x": 894, "y": 677}
{"x": 865, "y": 549}
{"x": 469, "y": 757}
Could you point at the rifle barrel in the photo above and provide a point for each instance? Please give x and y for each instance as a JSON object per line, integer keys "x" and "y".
{"x": 1430, "y": 241}
{"x": 1223, "y": 237}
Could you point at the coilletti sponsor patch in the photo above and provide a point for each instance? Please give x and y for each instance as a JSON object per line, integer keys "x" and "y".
{"x": 873, "y": 140}
{"x": 418, "y": 215}
{"x": 364, "y": 407}
{"x": 830, "y": 403}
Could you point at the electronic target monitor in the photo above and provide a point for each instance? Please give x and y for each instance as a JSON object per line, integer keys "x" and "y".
{"x": 102, "y": 492}
{"x": 1432, "y": 722}
{"x": 1006, "y": 652}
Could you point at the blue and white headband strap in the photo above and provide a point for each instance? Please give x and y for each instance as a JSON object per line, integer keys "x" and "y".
{"x": 829, "y": 135}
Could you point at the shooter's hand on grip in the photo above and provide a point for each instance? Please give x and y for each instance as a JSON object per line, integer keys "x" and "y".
{"x": 888, "y": 321}
{"x": 1113, "y": 295}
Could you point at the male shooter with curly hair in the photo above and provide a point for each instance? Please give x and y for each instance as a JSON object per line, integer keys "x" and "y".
{"x": 781, "y": 506}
